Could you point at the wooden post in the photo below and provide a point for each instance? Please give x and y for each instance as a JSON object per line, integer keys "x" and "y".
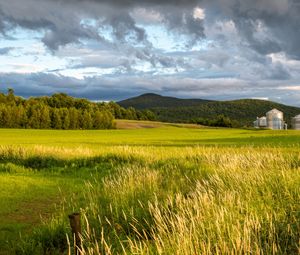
{"x": 76, "y": 231}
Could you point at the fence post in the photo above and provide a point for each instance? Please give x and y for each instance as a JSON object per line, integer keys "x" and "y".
{"x": 76, "y": 230}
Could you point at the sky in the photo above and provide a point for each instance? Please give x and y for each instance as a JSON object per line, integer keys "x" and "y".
{"x": 112, "y": 50}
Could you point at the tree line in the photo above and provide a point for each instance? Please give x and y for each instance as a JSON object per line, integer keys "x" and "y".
{"x": 61, "y": 111}
{"x": 219, "y": 121}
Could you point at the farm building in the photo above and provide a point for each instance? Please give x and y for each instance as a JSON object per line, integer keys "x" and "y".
{"x": 296, "y": 122}
{"x": 260, "y": 122}
{"x": 273, "y": 120}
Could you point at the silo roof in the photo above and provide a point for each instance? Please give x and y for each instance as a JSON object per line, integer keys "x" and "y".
{"x": 274, "y": 111}
{"x": 297, "y": 116}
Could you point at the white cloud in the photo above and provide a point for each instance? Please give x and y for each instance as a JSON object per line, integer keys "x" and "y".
{"x": 146, "y": 16}
{"x": 290, "y": 88}
{"x": 199, "y": 13}
{"x": 261, "y": 98}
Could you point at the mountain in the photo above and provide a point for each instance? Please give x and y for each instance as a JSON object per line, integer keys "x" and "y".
{"x": 243, "y": 111}
{"x": 151, "y": 100}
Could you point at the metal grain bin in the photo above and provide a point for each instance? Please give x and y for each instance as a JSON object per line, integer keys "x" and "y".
{"x": 296, "y": 122}
{"x": 262, "y": 122}
{"x": 275, "y": 119}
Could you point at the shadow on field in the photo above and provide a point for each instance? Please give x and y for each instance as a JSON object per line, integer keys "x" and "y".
{"x": 18, "y": 164}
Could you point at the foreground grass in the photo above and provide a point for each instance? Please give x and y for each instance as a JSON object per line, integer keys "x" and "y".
{"x": 181, "y": 194}
{"x": 27, "y": 199}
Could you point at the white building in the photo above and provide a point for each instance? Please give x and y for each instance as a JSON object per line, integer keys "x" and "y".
{"x": 296, "y": 122}
{"x": 260, "y": 122}
{"x": 273, "y": 120}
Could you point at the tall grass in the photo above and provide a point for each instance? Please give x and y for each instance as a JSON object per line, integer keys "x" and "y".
{"x": 234, "y": 203}
{"x": 171, "y": 200}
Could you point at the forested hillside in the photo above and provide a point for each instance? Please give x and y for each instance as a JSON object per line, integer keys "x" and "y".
{"x": 215, "y": 113}
{"x": 151, "y": 100}
{"x": 61, "y": 111}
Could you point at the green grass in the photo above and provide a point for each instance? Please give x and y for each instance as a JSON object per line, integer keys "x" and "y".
{"x": 27, "y": 199}
{"x": 164, "y": 136}
{"x": 167, "y": 190}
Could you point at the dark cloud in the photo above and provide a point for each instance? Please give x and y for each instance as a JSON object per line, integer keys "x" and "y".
{"x": 6, "y": 50}
{"x": 278, "y": 72}
{"x": 61, "y": 20}
{"x": 275, "y": 21}
{"x": 94, "y": 88}
{"x": 112, "y": 88}
{"x": 132, "y": 3}
{"x": 182, "y": 22}
{"x": 125, "y": 28}
{"x": 248, "y": 28}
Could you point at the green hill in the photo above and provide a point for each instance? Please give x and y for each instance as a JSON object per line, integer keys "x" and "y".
{"x": 151, "y": 100}
{"x": 243, "y": 111}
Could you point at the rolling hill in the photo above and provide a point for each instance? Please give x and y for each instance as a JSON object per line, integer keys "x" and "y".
{"x": 151, "y": 100}
{"x": 243, "y": 111}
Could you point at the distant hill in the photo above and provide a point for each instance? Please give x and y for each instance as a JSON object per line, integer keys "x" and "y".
{"x": 243, "y": 111}
{"x": 151, "y": 100}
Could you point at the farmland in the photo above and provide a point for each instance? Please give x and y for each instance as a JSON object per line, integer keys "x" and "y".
{"x": 164, "y": 189}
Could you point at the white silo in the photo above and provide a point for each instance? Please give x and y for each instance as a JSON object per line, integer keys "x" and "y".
{"x": 296, "y": 122}
{"x": 275, "y": 119}
{"x": 262, "y": 122}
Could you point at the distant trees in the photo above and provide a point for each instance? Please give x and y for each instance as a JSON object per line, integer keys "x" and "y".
{"x": 65, "y": 118}
{"x": 56, "y": 122}
{"x": 61, "y": 111}
{"x": 74, "y": 118}
{"x": 219, "y": 121}
{"x": 100, "y": 119}
{"x": 130, "y": 113}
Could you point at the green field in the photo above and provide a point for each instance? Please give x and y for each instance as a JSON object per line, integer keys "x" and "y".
{"x": 165, "y": 190}
{"x": 166, "y": 135}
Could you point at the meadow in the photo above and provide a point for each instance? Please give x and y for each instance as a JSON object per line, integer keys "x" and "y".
{"x": 169, "y": 189}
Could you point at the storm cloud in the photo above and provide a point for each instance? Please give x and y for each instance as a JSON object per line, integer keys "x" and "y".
{"x": 6, "y": 50}
{"x": 264, "y": 24}
{"x": 125, "y": 47}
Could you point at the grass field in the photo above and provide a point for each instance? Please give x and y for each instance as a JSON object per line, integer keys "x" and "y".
{"x": 151, "y": 189}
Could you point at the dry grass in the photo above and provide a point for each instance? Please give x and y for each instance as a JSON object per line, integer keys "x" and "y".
{"x": 135, "y": 124}
{"x": 238, "y": 201}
